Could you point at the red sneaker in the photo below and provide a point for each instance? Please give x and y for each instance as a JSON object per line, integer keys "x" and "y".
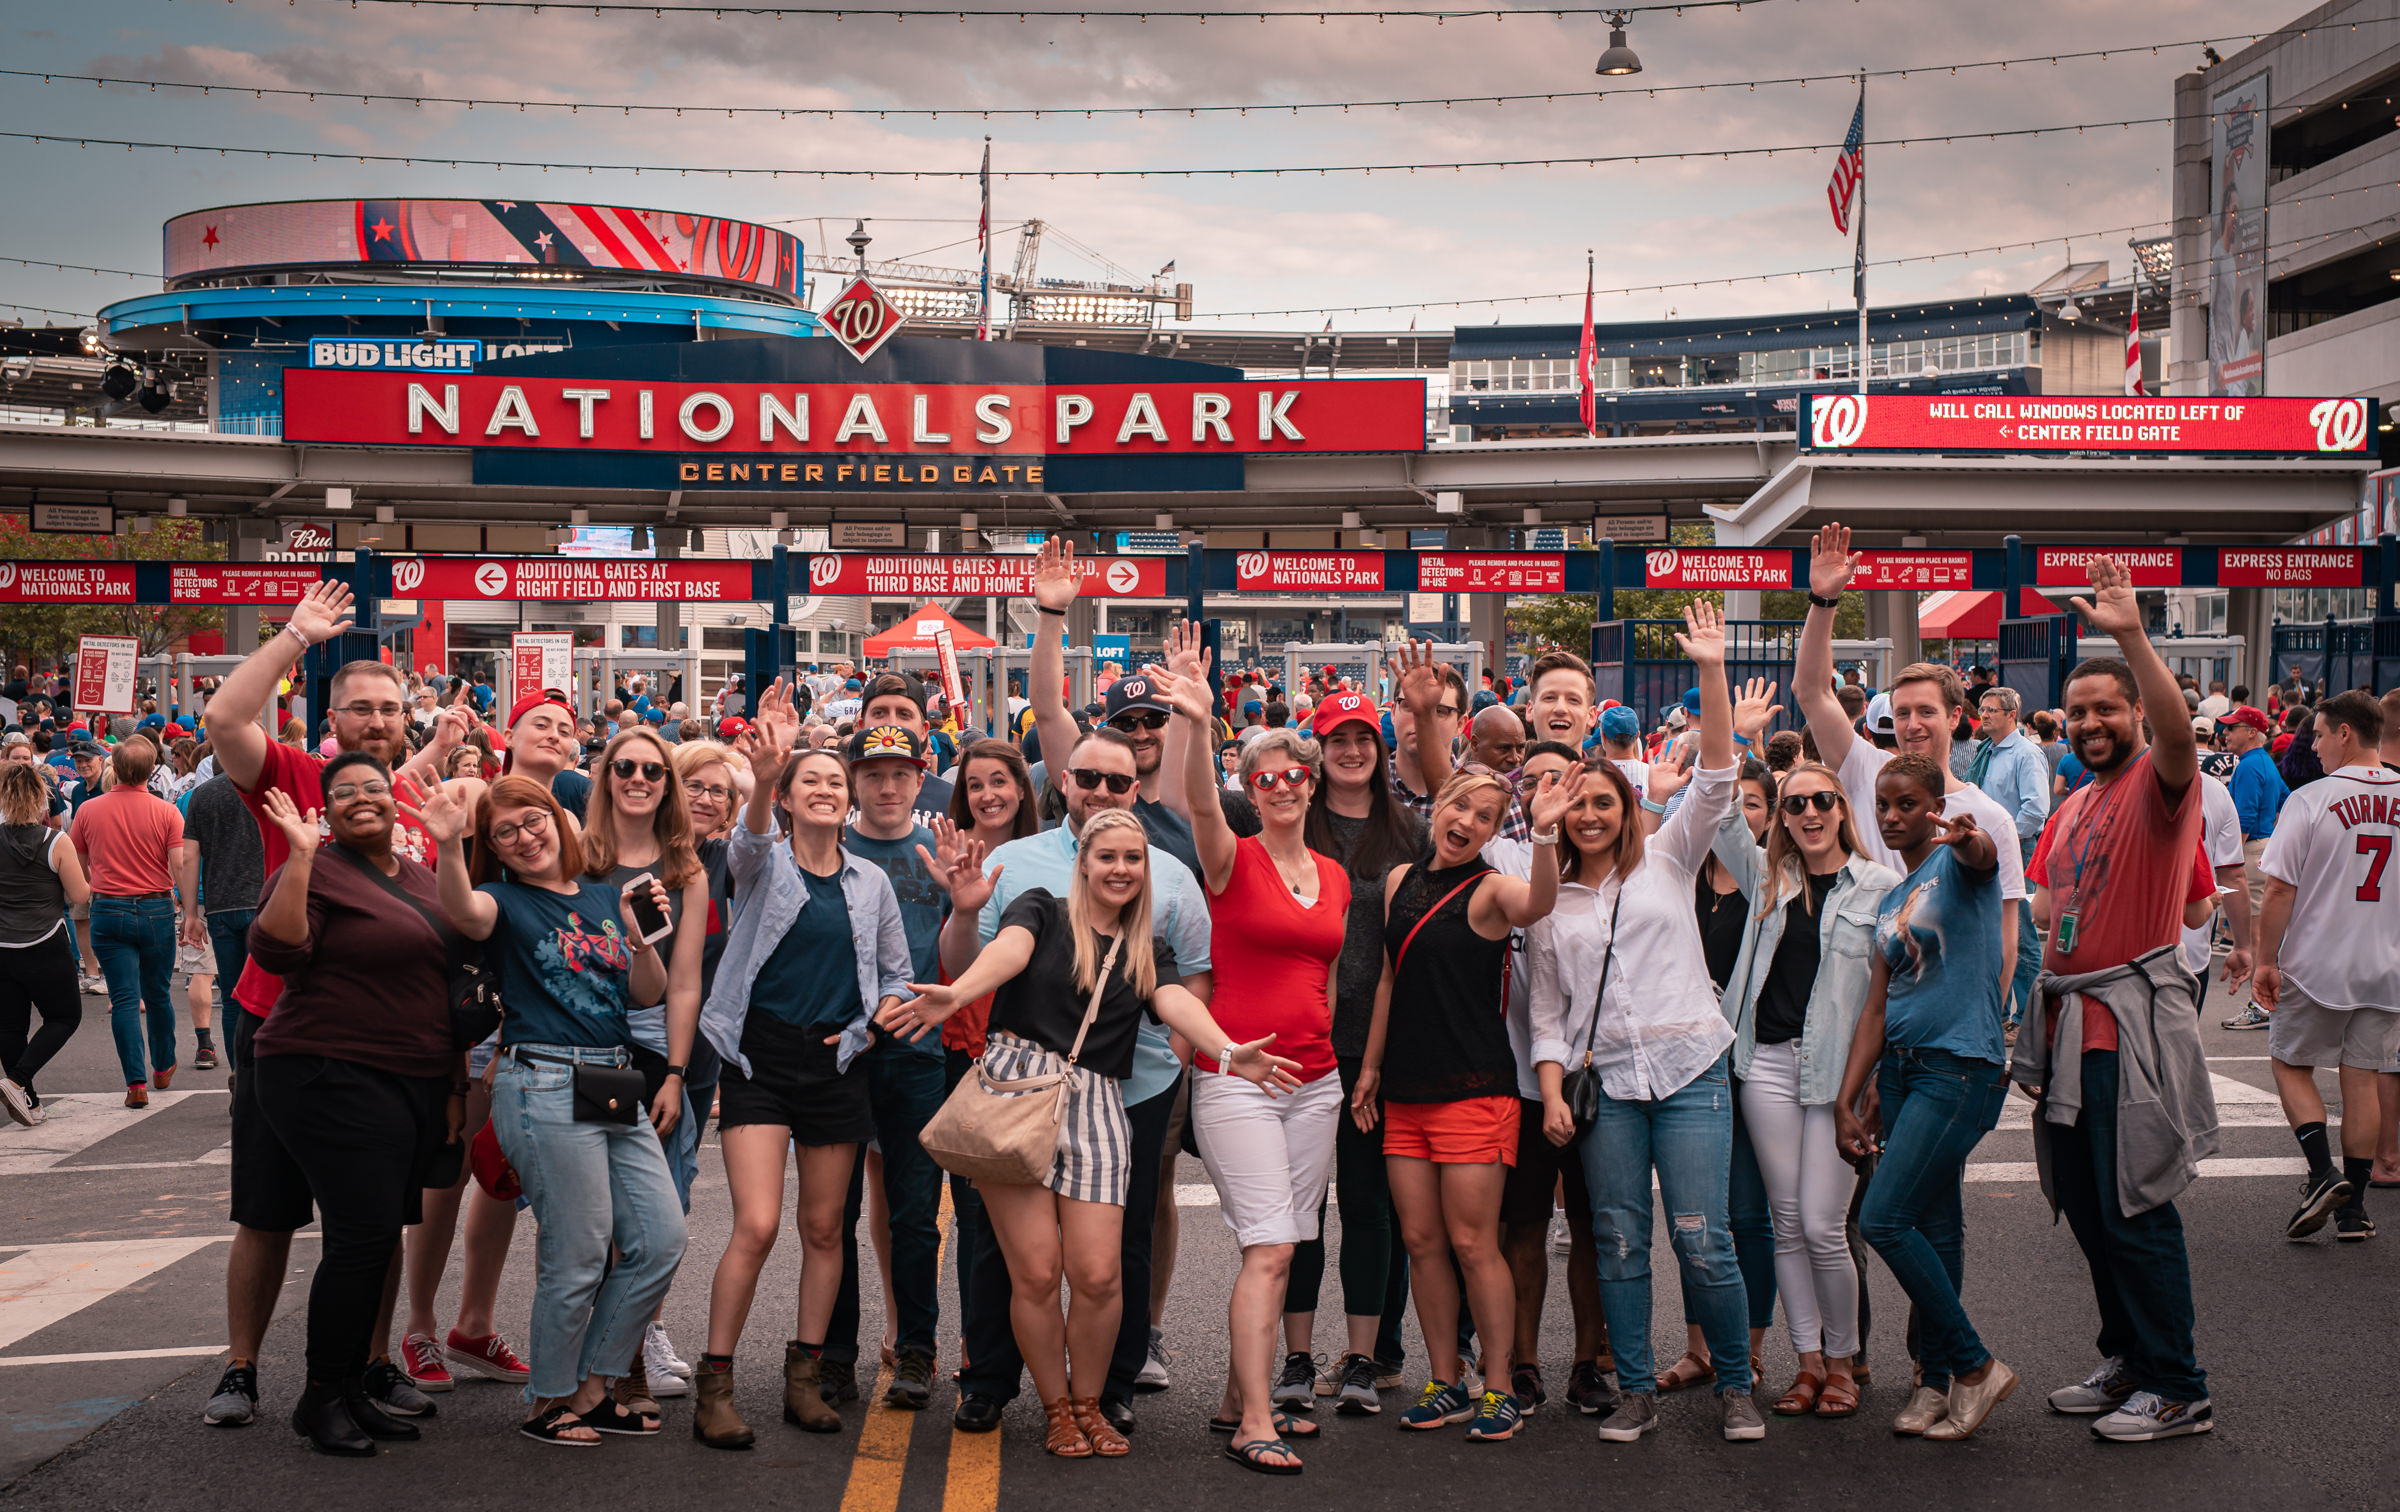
{"x": 421, "y": 1362}
{"x": 488, "y": 1357}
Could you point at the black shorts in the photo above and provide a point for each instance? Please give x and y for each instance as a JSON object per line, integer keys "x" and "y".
{"x": 270, "y": 1193}
{"x": 1534, "y": 1178}
{"x": 793, "y": 1082}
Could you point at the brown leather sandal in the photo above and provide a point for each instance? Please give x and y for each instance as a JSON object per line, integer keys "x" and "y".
{"x": 1689, "y": 1371}
{"x": 1839, "y": 1399}
{"x": 1061, "y": 1435}
{"x": 1800, "y": 1398}
{"x": 1106, "y": 1442}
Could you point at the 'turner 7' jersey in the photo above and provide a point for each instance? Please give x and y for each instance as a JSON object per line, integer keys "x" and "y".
{"x": 2334, "y": 843}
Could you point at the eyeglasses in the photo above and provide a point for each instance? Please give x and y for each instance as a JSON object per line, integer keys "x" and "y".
{"x": 625, "y": 766}
{"x": 532, "y": 827}
{"x": 707, "y": 790}
{"x": 372, "y": 711}
{"x": 1290, "y": 777}
{"x": 1139, "y": 719}
{"x": 1087, "y": 779}
{"x": 1822, "y": 801}
{"x": 349, "y": 790}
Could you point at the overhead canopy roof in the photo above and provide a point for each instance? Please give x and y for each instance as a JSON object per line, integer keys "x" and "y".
{"x": 1973, "y": 615}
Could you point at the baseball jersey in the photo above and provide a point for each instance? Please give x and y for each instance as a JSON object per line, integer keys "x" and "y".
{"x": 2221, "y": 840}
{"x": 2333, "y": 843}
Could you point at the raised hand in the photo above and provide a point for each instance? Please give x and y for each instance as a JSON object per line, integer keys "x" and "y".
{"x": 445, "y": 813}
{"x": 450, "y": 727}
{"x": 408, "y": 794}
{"x": 1753, "y": 708}
{"x": 299, "y": 830}
{"x": 1547, "y": 807}
{"x": 1055, "y": 580}
{"x": 1831, "y": 562}
{"x": 767, "y": 744}
{"x": 1418, "y": 677}
{"x": 322, "y": 613}
{"x": 1185, "y": 654}
{"x": 920, "y": 1015}
{"x": 1186, "y": 695}
{"x": 2112, "y": 609}
{"x": 1702, "y": 639}
{"x": 1959, "y": 833}
{"x": 958, "y": 865}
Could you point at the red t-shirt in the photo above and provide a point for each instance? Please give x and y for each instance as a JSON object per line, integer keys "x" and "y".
{"x": 294, "y": 773}
{"x": 2117, "y": 846}
{"x": 1274, "y": 956}
{"x": 124, "y": 836}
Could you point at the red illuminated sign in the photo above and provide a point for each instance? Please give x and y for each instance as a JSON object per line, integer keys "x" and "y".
{"x": 66, "y": 583}
{"x": 1711, "y": 567}
{"x": 879, "y": 419}
{"x": 1256, "y": 571}
{"x": 568, "y": 578}
{"x": 238, "y": 583}
{"x": 862, "y": 318}
{"x": 1915, "y": 569}
{"x": 2070, "y": 566}
{"x": 2077, "y": 423}
{"x": 2277, "y": 567}
{"x": 1491, "y": 572}
{"x": 865, "y": 573}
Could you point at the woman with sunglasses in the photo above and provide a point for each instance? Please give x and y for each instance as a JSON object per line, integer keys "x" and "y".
{"x": 635, "y": 825}
{"x": 815, "y": 946}
{"x": 1795, "y": 996}
{"x": 1928, "y": 1063}
{"x": 1624, "y": 934}
{"x": 1441, "y": 1076}
{"x": 570, "y": 975}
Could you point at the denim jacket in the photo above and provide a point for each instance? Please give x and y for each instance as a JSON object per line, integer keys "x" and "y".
{"x": 768, "y": 896}
{"x": 1845, "y": 959}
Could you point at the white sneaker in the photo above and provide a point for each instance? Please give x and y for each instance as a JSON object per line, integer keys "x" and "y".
{"x": 659, "y": 1362}
{"x": 1153, "y": 1375}
{"x": 20, "y": 1107}
{"x": 657, "y": 1336}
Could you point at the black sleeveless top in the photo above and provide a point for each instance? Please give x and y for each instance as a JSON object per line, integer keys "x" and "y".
{"x": 1446, "y": 1039}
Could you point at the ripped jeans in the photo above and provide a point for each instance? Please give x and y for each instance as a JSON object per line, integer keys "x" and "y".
{"x": 1687, "y": 1136}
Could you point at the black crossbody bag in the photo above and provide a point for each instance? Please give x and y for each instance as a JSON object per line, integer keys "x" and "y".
{"x": 1582, "y": 1086}
{"x": 474, "y": 994}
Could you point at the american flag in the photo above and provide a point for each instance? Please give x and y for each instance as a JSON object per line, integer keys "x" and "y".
{"x": 983, "y": 238}
{"x": 1852, "y": 169}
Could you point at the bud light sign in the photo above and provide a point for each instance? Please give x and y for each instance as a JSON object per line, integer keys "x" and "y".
{"x": 451, "y": 354}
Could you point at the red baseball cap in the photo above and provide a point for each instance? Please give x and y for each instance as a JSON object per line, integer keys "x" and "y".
{"x": 1344, "y": 708}
{"x": 2246, "y": 715}
{"x": 732, "y": 726}
{"x": 525, "y": 706}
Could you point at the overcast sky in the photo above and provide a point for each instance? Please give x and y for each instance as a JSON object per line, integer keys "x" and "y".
{"x": 1248, "y": 244}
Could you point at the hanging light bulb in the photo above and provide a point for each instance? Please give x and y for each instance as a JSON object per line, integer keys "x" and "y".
{"x": 1619, "y": 59}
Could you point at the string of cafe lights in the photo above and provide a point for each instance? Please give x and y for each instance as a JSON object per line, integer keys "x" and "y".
{"x": 1320, "y": 15}
{"x": 1092, "y": 112}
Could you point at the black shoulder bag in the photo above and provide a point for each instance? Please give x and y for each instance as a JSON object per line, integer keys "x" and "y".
{"x": 474, "y": 995}
{"x": 1582, "y": 1086}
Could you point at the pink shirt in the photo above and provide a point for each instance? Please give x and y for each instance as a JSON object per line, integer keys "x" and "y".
{"x": 127, "y": 838}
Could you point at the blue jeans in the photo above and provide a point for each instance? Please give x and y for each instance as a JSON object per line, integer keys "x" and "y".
{"x": 1687, "y": 1136}
{"x": 2140, "y": 1274}
{"x": 590, "y": 1185}
{"x": 229, "y": 940}
{"x": 905, "y": 1088}
{"x": 2029, "y": 962}
{"x": 1936, "y": 1108}
{"x": 134, "y": 939}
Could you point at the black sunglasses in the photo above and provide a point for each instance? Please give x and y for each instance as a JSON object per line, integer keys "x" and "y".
{"x": 1087, "y": 779}
{"x": 1140, "y": 719}
{"x": 1823, "y": 800}
{"x": 625, "y": 766}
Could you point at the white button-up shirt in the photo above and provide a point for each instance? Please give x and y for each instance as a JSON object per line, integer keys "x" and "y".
{"x": 1661, "y": 1025}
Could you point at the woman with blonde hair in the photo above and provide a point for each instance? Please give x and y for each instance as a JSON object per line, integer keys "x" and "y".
{"x": 1071, "y": 979}
{"x": 1795, "y": 996}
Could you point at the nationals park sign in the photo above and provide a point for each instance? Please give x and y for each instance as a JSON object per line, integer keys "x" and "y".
{"x": 794, "y": 414}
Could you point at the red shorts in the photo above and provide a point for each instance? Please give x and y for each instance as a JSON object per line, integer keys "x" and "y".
{"x": 1477, "y": 1131}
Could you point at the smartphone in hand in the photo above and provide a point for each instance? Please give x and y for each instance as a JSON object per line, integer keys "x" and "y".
{"x": 648, "y": 921}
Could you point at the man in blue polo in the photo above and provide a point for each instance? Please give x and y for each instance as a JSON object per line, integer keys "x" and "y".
{"x": 2258, "y": 792}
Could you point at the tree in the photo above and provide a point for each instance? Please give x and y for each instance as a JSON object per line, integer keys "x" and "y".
{"x": 43, "y": 634}
{"x": 1564, "y": 620}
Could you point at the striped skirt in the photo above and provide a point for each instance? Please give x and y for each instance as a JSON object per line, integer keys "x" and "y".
{"x": 1095, "y": 1143}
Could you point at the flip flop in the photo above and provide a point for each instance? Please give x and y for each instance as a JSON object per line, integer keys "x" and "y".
{"x": 2373, "y": 1183}
{"x": 1285, "y": 1424}
{"x": 1248, "y": 1454}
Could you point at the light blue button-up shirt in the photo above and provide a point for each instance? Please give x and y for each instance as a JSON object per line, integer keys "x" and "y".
{"x": 2018, "y": 779}
{"x": 1178, "y": 913}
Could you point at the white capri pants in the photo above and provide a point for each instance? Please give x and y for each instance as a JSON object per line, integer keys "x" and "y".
{"x": 1269, "y": 1156}
{"x": 1808, "y": 1190}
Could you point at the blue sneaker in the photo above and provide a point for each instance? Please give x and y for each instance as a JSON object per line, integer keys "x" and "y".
{"x": 1440, "y": 1405}
{"x": 1495, "y": 1419}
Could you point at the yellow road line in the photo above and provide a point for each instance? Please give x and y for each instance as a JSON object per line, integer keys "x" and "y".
{"x": 882, "y": 1453}
{"x": 974, "y": 1481}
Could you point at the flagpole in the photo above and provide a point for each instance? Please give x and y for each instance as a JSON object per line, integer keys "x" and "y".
{"x": 1858, "y": 275}
{"x": 983, "y": 235}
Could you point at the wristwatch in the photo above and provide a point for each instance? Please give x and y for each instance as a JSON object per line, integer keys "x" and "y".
{"x": 1225, "y": 1059}
{"x": 683, "y": 1071}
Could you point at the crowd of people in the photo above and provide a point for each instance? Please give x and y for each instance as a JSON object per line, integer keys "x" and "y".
{"x": 1461, "y": 961}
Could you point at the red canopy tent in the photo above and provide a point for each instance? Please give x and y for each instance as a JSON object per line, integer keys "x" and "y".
{"x": 1974, "y": 616}
{"x": 916, "y": 632}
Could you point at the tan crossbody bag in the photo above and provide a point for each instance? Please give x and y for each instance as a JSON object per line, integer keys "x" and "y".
{"x": 1006, "y": 1132}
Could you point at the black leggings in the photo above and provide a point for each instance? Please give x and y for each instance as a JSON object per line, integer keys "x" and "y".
{"x": 363, "y": 1138}
{"x": 37, "y": 979}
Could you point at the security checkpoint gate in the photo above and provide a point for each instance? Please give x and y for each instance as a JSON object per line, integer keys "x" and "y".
{"x": 2359, "y": 654}
{"x": 1637, "y": 663}
{"x": 993, "y": 675}
{"x": 596, "y": 669}
{"x": 2036, "y": 655}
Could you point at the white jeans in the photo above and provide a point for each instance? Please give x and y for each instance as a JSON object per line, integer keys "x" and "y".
{"x": 1808, "y": 1191}
{"x": 1269, "y": 1156}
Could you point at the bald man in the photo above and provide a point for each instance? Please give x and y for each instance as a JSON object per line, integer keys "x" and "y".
{"x": 1497, "y": 738}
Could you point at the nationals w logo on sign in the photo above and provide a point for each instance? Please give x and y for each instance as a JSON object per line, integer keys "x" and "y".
{"x": 2341, "y": 424}
{"x": 408, "y": 575}
{"x": 861, "y": 318}
{"x": 1836, "y": 421}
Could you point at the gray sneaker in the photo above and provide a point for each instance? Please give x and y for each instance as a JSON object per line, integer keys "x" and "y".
{"x": 1153, "y": 1375}
{"x": 235, "y": 1404}
{"x": 1636, "y": 1414}
{"x": 395, "y": 1393}
{"x": 1356, "y": 1387}
{"x": 17, "y": 1101}
{"x": 2146, "y": 1415}
{"x": 1295, "y": 1389}
{"x": 2251, "y": 1017}
{"x": 1741, "y": 1416}
{"x": 2101, "y": 1391}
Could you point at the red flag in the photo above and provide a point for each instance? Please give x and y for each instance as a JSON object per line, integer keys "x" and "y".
{"x": 2133, "y": 347}
{"x": 1587, "y": 361}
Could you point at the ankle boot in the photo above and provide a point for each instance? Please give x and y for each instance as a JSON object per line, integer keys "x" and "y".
{"x": 714, "y": 1422}
{"x": 803, "y": 1407}
{"x": 325, "y": 1422}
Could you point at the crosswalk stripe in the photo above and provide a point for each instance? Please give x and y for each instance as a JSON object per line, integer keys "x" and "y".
{"x": 46, "y": 1282}
{"x": 79, "y": 1120}
{"x": 106, "y": 1355}
{"x": 2224, "y": 1165}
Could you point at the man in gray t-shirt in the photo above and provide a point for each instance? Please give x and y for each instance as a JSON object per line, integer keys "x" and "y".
{"x": 222, "y": 846}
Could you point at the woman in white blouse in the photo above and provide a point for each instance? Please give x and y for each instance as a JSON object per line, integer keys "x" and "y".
{"x": 1658, "y": 1046}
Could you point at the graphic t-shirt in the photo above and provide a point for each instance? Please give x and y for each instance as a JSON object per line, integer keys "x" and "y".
{"x": 2120, "y": 865}
{"x": 924, "y": 906}
{"x": 1939, "y": 932}
{"x": 564, "y": 965}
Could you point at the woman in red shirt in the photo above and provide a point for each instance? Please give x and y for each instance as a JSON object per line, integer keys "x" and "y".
{"x": 1276, "y": 912}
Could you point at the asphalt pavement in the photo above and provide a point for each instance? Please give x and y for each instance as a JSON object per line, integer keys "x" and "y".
{"x": 112, "y": 1252}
